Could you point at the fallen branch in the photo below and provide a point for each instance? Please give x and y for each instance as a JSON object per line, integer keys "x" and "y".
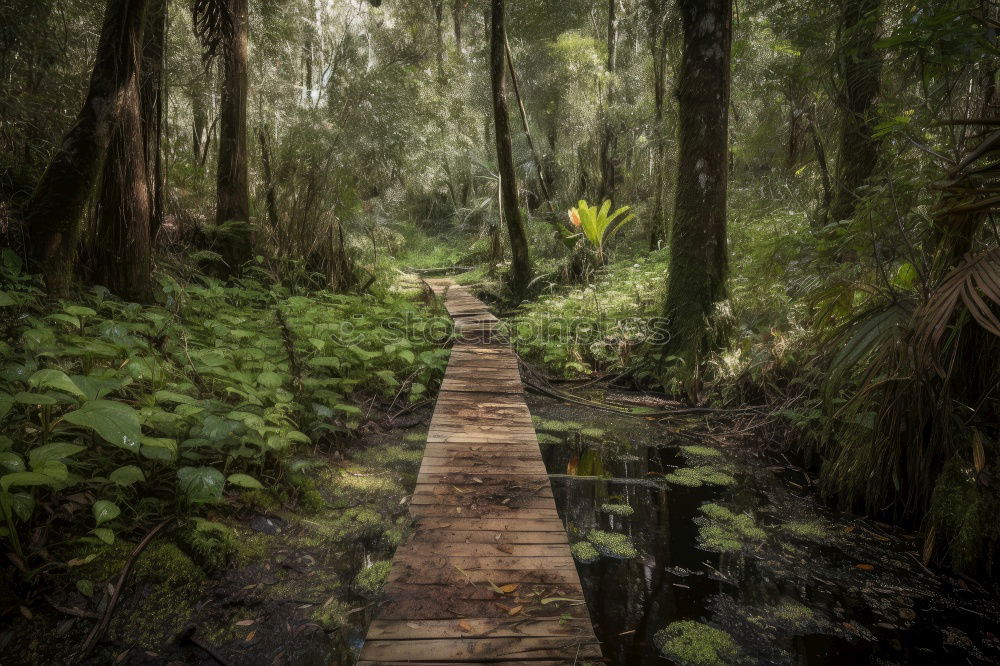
{"x": 98, "y": 631}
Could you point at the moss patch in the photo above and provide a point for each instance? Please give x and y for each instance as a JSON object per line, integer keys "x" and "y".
{"x": 331, "y": 616}
{"x": 165, "y": 563}
{"x": 553, "y": 425}
{"x": 593, "y": 433}
{"x": 813, "y": 530}
{"x": 371, "y": 579}
{"x": 585, "y": 552}
{"x": 612, "y": 544}
{"x": 701, "y": 451}
{"x": 721, "y": 530}
{"x": 620, "y": 510}
{"x": 695, "y": 644}
{"x": 695, "y": 477}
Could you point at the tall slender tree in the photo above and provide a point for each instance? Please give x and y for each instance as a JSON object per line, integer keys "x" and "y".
{"x": 860, "y": 70}
{"x": 54, "y": 214}
{"x": 233, "y": 193}
{"x": 657, "y": 36}
{"x": 608, "y": 142}
{"x": 152, "y": 98}
{"x": 698, "y": 254}
{"x": 520, "y": 274}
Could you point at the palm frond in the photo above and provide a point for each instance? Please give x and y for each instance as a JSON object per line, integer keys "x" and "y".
{"x": 214, "y": 25}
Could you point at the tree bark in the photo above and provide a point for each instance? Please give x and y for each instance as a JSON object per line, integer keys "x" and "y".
{"x": 152, "y": 97}
{"x": 658, "y": 51}
{"x": 233, "y": 195}
{"x": 860, "y": 70}
{"x": 54, "y": 213}
{"x": 698, "y": 254}
{"x": 520, "y": 273}
{"x": 456, "y": 18}
{"x": 270, "y": 196}
{"x": 608, "y": 142}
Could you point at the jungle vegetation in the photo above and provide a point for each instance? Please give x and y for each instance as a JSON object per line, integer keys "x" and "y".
{"x": 195, "y": 195}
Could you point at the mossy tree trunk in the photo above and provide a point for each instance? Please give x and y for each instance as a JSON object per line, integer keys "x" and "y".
{"x": 698, "y": 255}
{"x": 233, "y": 194}
{"x": 152, "y": 96}
{"x": 520, "y": 273}
{"x": 860, "y": 68}
{"x": 658, "y": 50}
{"x": 121, "y": 250}
{"x": 53, "y": 215}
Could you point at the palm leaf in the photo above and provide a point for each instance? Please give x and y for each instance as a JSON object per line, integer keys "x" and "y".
{"x": 214, "y": 25}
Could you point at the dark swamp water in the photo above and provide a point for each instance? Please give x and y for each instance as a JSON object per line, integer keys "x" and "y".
{"x": 740, "y": 559}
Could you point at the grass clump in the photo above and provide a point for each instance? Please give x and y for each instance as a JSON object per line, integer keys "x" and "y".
{"x": 722, "y": 530}
{"x": 620, "y": 510}
{"x": 584, "y": 552}
{"x": 371, "y": 579}
{"x": 331, "y": 616}
{"x": 691, "y": 643}
{"x": 612, "y": 544}
{"x": 695, "y": 477}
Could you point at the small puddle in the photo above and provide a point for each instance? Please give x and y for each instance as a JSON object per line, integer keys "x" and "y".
{"x": 739, "y": 559}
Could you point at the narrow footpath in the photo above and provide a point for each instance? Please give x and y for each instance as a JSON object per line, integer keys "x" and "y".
{"x": 487, "y": 576}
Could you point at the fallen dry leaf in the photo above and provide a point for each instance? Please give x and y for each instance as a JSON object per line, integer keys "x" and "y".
{"x": 464, "y": 626}
{"x": 865, "y": 567}
{"x": 509, "y": 587}
{"x": 244, "y": 623}
{"x": 515, "y": 610}
{"x": 251, "y": 635}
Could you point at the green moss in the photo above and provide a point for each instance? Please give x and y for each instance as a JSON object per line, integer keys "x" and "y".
{"x": 692, "y": 643}
{"x": 371, "y": 579}
{"x": 553, "y": 425}
{"x": 593, "y": 433}
{"x": 546, "y": 438}
{"x": 165, "y": 563}
{"x": 585, "y": 552}
{"x": 350, "y": 525}
{"x": 309, "y": 497}
{"x": 695, "y": 477}
{"x": 721, "y": 530}
{"x": 620, "y": 510}
{"x": 793, "y": 612}
{"x": 331, "y": 616}
{"x": 807, "y": 529}
{"x": 156, "y": 618}
{"x": 395, "y": 457}
{"x": 415, "y": 437}
{"x": 612, "y": 544}
{"x": 701, "y": 451}
{"x": 260, "y": 499}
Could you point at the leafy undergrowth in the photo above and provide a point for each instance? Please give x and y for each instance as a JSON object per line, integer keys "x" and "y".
{"x": 115, "y": 415}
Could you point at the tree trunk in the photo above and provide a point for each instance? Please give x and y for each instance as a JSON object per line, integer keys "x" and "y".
{"x": 54, "y": 213}
{"x": 456, "y": 18}
{"x": 861, "y": 70}
{"x": 270, "y": 195}
{"x": 698, "y": 255}
{"x": 658, "y": 51}
{"x": 233, "y": 204}
{"x": 152, "y": 97}
{"x": 608, "y": 138}
{"x": 520, "y": 262}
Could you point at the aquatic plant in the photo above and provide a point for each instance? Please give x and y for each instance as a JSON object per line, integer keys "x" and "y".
{"x": 806, "y": 529}
{"x": 612, "y": 544}
{"x": 695, "y": 477}
{"x": 698, "y": 451}
{"x": 721, "y": 530}
{"x": 691, "y": 643}
{"x": 584, "y": 552}
{"x": 620, "y": 510}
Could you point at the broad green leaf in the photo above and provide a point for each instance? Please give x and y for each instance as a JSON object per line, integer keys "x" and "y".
{"x": 79, "y": 311}
{"x": 55, "y": 379}
{"x": 116, "y": 422}
{"x": 201, "y": 485}
{"x": 104, "y": 534}
{"x": 40, "y": 456}
{"x": 11, "y": 461}
{"x": 244, "y": 481}
{"x": 23, "y": 505}
{"x": 127, "y": 475}
{"x": 104, "y": 511}
{"x": 5, "y": 299}
{"x": 34, "y": 398}
{"x": 8, "y": 481}
{"x": 85, "y": 587}
{"x": 171, "y": 397}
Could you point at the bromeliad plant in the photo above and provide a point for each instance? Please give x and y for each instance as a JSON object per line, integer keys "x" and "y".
{"x": 597, "y": 225}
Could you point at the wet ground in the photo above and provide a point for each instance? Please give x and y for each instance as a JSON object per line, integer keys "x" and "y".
{"x": 708, "y": 555}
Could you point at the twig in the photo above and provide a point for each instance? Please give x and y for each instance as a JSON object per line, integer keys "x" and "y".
{"x": 98, "y": 631}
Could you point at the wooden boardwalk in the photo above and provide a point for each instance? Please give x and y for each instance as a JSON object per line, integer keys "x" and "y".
{"x": 487, "y": 576}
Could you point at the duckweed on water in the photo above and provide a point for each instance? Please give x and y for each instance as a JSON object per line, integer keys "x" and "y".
{"x": 553, "y": 425}
{"x": 701, "y": 451}
{"x": 695, "y": 644}
{"x": 612, "y": 544}
{"x": 593, "y": 433}
{"x": 722, "y": 530}
{"x": 806, "y": 529}
{"x": 584, "y": 552}
{"x": 620, "y": 510}
{"x": 371, "y": 579}
{"x": 695, "y": 477}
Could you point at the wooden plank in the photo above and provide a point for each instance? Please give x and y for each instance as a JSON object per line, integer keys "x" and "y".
{"x": 484, "y": 516}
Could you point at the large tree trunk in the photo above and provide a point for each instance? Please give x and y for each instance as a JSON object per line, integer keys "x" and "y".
{"x": 860, "y": 70}
{"x": 456, "y": 19}
{"x": 608, "y": 141}
{"x": 233, "y": 204}
{"x": 54, "y": 214}
{"x": 520, "y": 262}
{"x": 121, "y": 250}
{"x": 152, "y": 97}
{"x": 698, "y": 256}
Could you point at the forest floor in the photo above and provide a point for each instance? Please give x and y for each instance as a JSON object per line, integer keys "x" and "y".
{"x": 688, "y": 535}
